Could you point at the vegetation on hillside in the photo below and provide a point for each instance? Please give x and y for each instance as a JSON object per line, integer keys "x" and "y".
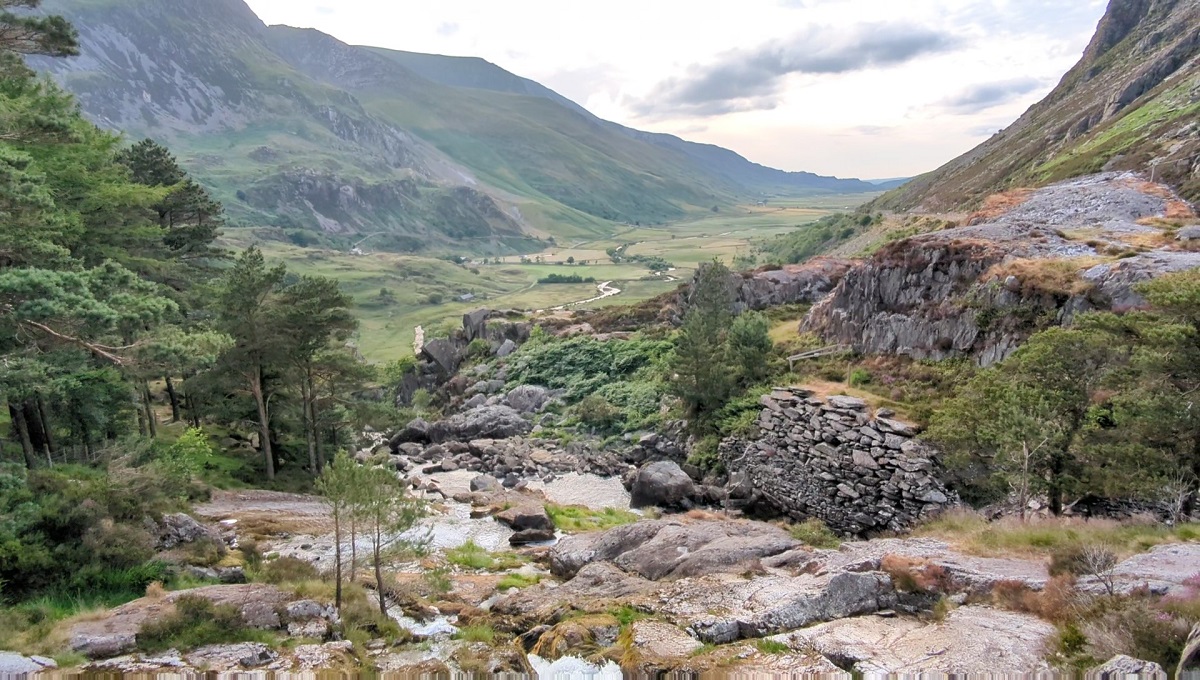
{"x": 816, "y": 238}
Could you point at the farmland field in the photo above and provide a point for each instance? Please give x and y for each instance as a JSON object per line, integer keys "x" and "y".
{"x": 394, "y": 293}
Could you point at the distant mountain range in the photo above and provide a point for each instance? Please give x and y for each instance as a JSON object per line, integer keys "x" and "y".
{"x": 1131, "y": 103}
{"x": 293, "y": 128}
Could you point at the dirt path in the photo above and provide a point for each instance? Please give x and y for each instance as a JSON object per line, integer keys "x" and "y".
{"x": 606, "y": 291}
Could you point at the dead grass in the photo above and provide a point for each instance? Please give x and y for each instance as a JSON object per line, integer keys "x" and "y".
{"x": 1040, "y": 537}
{"x": 998, "y": 204}
{"x": 1176, "y": 208}
{"x": 1040, "y": 276}
{"x": 916, "y": 575}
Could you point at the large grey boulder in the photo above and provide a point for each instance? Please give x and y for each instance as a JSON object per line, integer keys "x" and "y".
{"x": 664, "y": 549}
{"x": 415, "y": 432}
{"x": 13, "y": 665}
{"x": 1121, "y": 667}
{"x": 179, "y": 529}
{"x": 662, "y": 483}
{"x": 528, "y": 398}
{"x": 485, "y": 422}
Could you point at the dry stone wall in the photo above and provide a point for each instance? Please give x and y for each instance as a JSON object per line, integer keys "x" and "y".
{"x": 831, "y": 459}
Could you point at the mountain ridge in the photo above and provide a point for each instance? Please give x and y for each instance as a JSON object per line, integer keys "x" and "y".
{"x": 1130, "y": 103}
{"x": 294, "y": 128}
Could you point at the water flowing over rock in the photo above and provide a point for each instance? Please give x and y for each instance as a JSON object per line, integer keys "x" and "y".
{"x": 832, "y": 460}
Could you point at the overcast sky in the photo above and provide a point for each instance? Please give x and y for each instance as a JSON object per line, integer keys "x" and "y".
{"x": 855, "y": 88}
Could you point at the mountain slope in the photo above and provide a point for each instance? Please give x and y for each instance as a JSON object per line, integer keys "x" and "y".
{"x": 474, "y": 73}
{"x": 1131, "y": 103}
{"x": 293, "y": 128}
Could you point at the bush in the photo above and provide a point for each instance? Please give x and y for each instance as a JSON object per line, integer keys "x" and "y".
{"x": 860, "y": 377}
{"x": 194, "y": 623}
{"x": 813, "y": 532}
{"x": 476, "y": 633}
{"x": 287, "y": 570}
{"x": 595, "y": 411}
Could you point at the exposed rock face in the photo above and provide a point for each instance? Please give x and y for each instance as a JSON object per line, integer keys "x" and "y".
{"x": 970, "y": 640}
{"x": 662, "y": 483}
{"x": 178, "y": 529}
{"x": 794, "y": 283}
{"x": 440, "y": 359}
{"x": 662, "y": 549}
{"x": 17, "y": 667}
{"x": 1121, "y": 667}
{"x": 528, "y": 398}
{"x": 485, "y": 422}
{"x": 947, "y": 294}
{"x": 833, "y": 461}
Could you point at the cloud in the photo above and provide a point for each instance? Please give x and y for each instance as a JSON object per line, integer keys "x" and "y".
{"x": 750, "y": 80}
{"x": 325, "y": 10}
{"x": 983, "y": 96}
{"x": 447, "y": 29}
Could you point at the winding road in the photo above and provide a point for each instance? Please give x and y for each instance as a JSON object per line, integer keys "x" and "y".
{"x": 606, "y": 291}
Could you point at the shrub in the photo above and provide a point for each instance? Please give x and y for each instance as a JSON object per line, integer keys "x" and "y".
{"x": 913, "y": 575}
{"x": 813, "y": 532}
{"x": 287, "y": 570}
{"x": 595, "y": 411}
{"x": 575, "y": 519}
{"x": 860, "y": 377}
{"x": 476, "y": 633}
{"x": 772, "y": 647}
{"x": 194, "y": 623}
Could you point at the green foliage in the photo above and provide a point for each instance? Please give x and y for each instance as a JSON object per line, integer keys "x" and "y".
{"x": 860, "y": 377}
{"x": 750, "y": 347}
{"x": 816, "y": 238}
{"x": 286, "y": 570}
{"x": 577, "y": 519}
{"x": 598, "y": 413}
{"x": 476, "y": 633}
{"x": 704, "y": 380}
{"x": 194, "y": 623}
{"x": 518, "y": 581}
{"x": 566, "y": 278}
{"x": 704, "y": 453}
{"x": 772, "y": 647}
{"x": 813, "y": 532}
{"x": 583, "y": 365}
{"x": 473, "y": 556}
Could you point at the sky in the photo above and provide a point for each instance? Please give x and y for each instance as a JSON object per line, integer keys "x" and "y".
{"x": 854, "y": 88}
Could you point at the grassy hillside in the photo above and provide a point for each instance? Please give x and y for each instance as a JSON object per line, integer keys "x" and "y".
{"x": 1129, "y": 104}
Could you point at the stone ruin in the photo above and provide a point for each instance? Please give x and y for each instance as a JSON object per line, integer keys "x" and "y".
{"x": 832, "y": 460}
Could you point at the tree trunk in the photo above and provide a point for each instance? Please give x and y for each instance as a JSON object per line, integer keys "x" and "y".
{"x": 44, "y": 415}
{"x": 264, "y": 423}
{"x": 337, "y": 556}
{"x": 378, "y": 548}
{"x": 309, "y": 427}
{"x": 148, "y": 405}
{"x": 353, "y": 547}
{"x": 176, "y": 409}
{"x": 22, "y": 432}
{"x": 1055, "y": 486}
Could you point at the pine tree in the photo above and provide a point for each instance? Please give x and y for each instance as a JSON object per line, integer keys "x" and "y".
{"x": 703, "y": 377}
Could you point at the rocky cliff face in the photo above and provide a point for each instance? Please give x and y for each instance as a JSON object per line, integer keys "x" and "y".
{"x": 831, "y": 459}
{"x": 1130, "y": 104}
{"x": 982, "y": 289}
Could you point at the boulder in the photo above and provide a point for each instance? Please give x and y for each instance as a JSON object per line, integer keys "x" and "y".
{"x": 664, "y": 484}
{"x": 1121, "y": 667}
{"x": 527, "y": 398}
{"x": 486, "y": 422}
{"x": 13, "y": 665}
{"x": 971, "y": 640}
{"x": 661, "y": 549}
{"x": 485, "y": 484}
{"x": 527, "y": 536}
{"x": 526, "y": 516}
{"x": 304, "y": 610}
{"x": 102, "y": 645}
{"x": 1188, "y": 234}
{"x": 506, "y": 348}
{"x": 177, "y": 529}
{"x": 415, "y": 432}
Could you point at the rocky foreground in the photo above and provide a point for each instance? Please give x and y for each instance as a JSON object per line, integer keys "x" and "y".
{"x": 688, "y": 592}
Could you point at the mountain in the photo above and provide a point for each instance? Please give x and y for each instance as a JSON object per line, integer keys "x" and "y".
{"x": 474, "y": 73}
{"x": 1131, "y": 103}
{"x": 293, "y": 128}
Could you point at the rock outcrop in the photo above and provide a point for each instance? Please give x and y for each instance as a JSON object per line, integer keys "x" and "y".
{"x": 440, "y": 359}
{"x": 982, "y": 289}
{"x": 485, "y": 422}
{"x": 832, "y": 460}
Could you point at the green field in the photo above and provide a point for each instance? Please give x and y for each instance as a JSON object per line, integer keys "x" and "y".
{"x": 423, "y": 291}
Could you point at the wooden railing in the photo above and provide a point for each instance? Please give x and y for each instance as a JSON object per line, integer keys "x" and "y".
{"x": 816, "y": 353}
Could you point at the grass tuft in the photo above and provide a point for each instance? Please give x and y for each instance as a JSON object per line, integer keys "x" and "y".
{"x": 576, "y": 519}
